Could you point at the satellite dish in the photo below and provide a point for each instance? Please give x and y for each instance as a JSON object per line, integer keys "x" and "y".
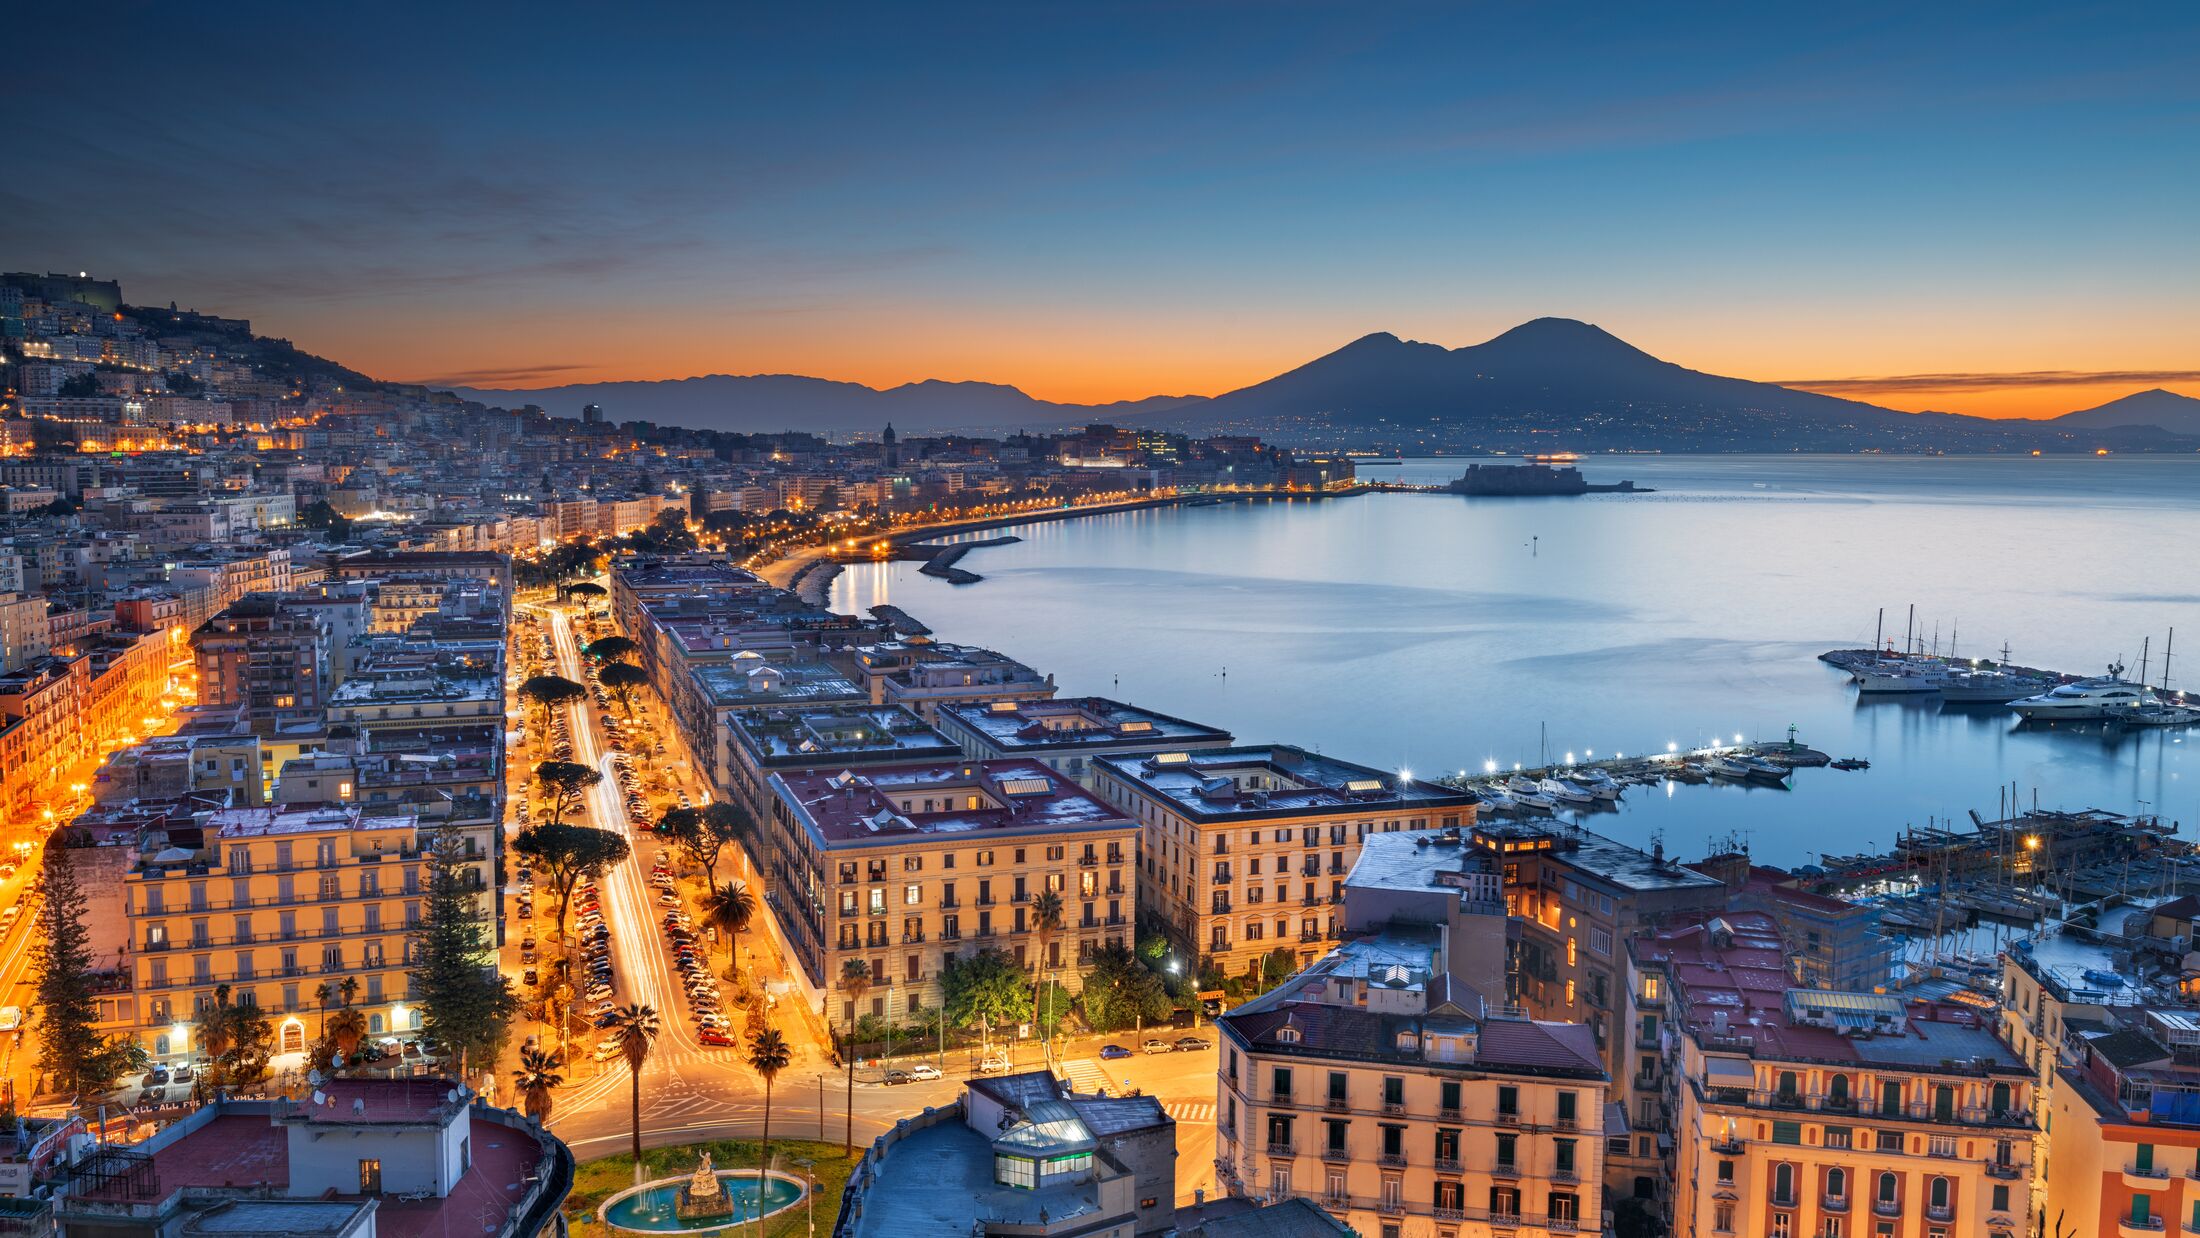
{"x": 318, "y": 1097}
{"x": 314, "y": 1077}
{"x": 451, "y": 1096}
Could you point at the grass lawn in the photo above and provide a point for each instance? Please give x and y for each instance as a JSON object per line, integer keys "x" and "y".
{"x": 598, "y": 1180}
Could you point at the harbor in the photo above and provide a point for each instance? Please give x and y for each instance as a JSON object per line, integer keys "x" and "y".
{"x": 2033, "y": 694}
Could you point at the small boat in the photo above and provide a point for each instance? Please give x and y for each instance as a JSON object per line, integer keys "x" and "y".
{"x": 1520, "y": 784}
{"x": 1754, "y": 767}
{"x": 1496, "y": 800}
{"x": 1534, "y": 801}
{"x": 1725, "y": 767}
{"x": 2160, "y": 713}
{"x": 1565, "y": 792}
{"x": 1850, "y": 763}
{"x": 2105, "y": 979}
{"x": 1598, "y": 783}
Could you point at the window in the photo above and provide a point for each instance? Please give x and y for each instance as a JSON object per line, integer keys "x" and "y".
{"x": 1787, "y": 1132}
{"x": 1726, "y": 1173}
{"x": 1837, "y": 1183}
{"x": 1887, "y": 1188}
{"x": 370, "y": 1177}
{"x": 912, "y": 894}
{"x": 1783, "y": 1183}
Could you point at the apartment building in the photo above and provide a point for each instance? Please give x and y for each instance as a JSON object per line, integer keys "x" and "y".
{"x": 2123, "y": 1128}
{"x": 42, "y": 735}
{"x": 274, "y": 902}
{"x": 1068, "y": 733}
{"x": 905, "y": 866}
{"x": 267, "y": 656}
{"x": 847, "y": 737}
{"x": 1384, "y": 1085}
{"x": 1243, "y": 851}
{"x": 925, "y": 675}
{"x": 1577, "y": 897}
{"x": 1856, "y": 1115}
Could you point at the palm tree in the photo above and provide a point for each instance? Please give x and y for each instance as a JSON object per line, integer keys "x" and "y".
{"x": 768, "y": 1056}
{"x": 731, "y": 908}
{"x": 636, "y": 1028}
{"x": 537, "y": 1074}
{"x": 345, "y": 1029}
{"x": 1046, "y": 920}
{"x": 855, "y": 981}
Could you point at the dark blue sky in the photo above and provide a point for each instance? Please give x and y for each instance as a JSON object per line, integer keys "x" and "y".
{"x": 1110, "y": 201}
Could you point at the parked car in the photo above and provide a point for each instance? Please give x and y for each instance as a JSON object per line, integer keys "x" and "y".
{"x": 993, "y": 1064}
{"x": 712, "y": 1036}
{"x": 1112, "y": 1052}
{"x": 924, "y": 1070}
{"x": 1158, "y": 1046}
{"x": 1192, "y": 1044}
{"x": 897, "y": 1077}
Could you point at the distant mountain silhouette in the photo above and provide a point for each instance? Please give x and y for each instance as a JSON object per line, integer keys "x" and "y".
{"x": 1548, "y": 384}
{"x": 770, "y": 402}
{"x": 2167, "y": 410}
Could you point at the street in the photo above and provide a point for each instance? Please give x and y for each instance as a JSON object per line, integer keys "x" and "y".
{"x": 692, "y": 1092}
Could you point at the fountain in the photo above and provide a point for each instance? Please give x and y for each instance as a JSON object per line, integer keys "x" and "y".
{"x": 700, "y": 1202}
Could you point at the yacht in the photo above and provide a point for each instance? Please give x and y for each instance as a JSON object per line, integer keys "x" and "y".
{"x": 1496, "y": 799}
{"x": 1989, "y": 687}
{"x": 1725, "y": 767}
{"x": 1521, "y": 784}
{"x": 1755, "y": 767}
{"x": 1565, "y": 792}
{"x": 1598, "y": 783}
{"x": 2160, "y": 713}
{"x": 1534, "y": 801}
{"x": 1895, "y": 678}
{"x": 2082, "y": 701}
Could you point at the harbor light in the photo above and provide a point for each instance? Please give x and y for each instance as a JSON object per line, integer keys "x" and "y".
{"x": 1404, "y": 774}
{"x": 2031, "y": 842}
{"x": 1489, "y": 767}
{"x": 1569, "y": 758}
{"x": 1737, "y": 737}
{"x": 1670, "y": 746}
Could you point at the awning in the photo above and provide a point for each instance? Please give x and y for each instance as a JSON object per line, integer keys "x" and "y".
{"x": 1729, "y": 1072}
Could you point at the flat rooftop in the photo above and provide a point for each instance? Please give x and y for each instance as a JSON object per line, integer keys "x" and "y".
{"x": 1085, "y": 723}
{"x": 1256, "y": 782}
{"x": 802, "y": 737}
{"x": 936, "y": 1180}
{"x": 277, "y": 819}
{"x": 766, "y": 683}
{"x": 903, "y": 802}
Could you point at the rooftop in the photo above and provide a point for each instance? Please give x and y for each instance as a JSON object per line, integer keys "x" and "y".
{"x": 743, "y": 684}
{"x": 1251, "y": 783}
{"x": 801, "y": 737}
{"x": 277, "y": 819}
{"x": 1079, "y": 723}
{"x": 885, "y": 803}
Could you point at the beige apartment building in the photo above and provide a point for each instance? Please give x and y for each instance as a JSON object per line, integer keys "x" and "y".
{"x": 1377, "y": 1084}
{"x": 278, "y": 902}
{"x": 906, "y": 866}
{"x": 1845, "y": 1115}
{"x": 1244, "y": 851}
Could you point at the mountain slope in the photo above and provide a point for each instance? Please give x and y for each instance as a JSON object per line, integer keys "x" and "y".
{"x": 2178, "y": 414}
{"x": 770, "y": 402}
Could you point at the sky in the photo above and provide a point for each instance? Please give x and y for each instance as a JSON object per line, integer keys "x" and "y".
{"x": 1984, "y": 209}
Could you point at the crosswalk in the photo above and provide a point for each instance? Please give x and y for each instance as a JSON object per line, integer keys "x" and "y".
{"x": 1197, "y": 1112}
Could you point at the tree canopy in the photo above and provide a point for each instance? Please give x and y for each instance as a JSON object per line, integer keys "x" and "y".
{"x": 563, "y": 854}
{"x": 620, "y": 680}
{"x": 547, "y": 692}
{"x": 465, "y": 1004}
{"x": 613, "y": 648}
{"x": 565, "y": 782}
{"x": 985, "y": 989}
{"x": 1120, "y": 991}
{"x": 74, "y": 1056}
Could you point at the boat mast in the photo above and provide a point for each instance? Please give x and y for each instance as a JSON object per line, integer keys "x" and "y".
{"x": 1909, "y": 628}
{"x": 1879, "y": 632}
{"x": 2144, "y": 641}
{"x": 2166, "y": 646}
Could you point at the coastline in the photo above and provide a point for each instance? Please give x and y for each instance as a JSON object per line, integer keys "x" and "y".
{"x": 809, "y": 573}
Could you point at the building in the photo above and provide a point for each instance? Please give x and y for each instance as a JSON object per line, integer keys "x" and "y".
{"x": 906, "y": 866}
{"x": 269, "y": 657}
{"x": 1019, "y": 1156}
{"x": 42, "y": 736}
{"x": 408, "y": 1158}
{"x": 924, "y": 675}
{"x": 1243, "y": 851}
{"x": 1068, "y": 734}
{"x": 847, "y": 737}
{"x": 1382, "y": 1084}
{"x": 2123, "y": 1128}
{"x": 1853, "y": 1113}
{"x": 273, "y": 903}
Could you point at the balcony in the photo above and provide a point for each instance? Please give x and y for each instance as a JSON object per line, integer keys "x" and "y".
{"x": 1088, "y": 860}
{"x": 1507, "y": 1119}
{"x": 1394, "y": 1106}
{"x": 1281, "y": 1098}
{"x": 1337, "y": 1103}
{"x": 1566, "y": 1173}
{"x": 1340, "y": 1155}
{"x": 1282, "y": 1149}
{"x": 1505, "y": 1169}
{"x": 1449, "y": 1165}
{"x": 1562, "y": 1225}
{"x": 2136, "y": 1227}
{"x": 2147, "y": 1177}
{"x": 1444, "y": 1213}
{"x": 1567, "y": 1124}
{"x": 1833, "y": 1203}
{"x": 1337, "y": 1203}
{"x": 1390, "y": 1207}
{"x": 2010, "y": 1172}
{"x": 1222, "y": 879}
{"x": 1887, "y": 1207}
{"x": 1940, "y": 1212}
{"x": 1392, "y": 1160}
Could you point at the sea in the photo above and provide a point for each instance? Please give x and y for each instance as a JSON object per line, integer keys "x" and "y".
{"x": 1440, "y": 634}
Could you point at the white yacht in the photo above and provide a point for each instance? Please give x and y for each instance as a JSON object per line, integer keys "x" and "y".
{"x": 1898, "y": 678}
{"x": 2083, "y": 701}
{"x": 1521, "y": 784}
{"x": 1565, "y": 792}
{"x": 1598, "y": 783}
{"x": 1723, "y": 767}
{"x": 1534, "y": 801}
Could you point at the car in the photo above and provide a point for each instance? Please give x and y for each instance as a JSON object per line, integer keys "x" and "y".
{"x": 711, "y": 1036}
{"x": 1192, "y": 1044}
{"x": 605, "y": 1055}
{"x": 530, "y": 978}
{"x": 157, "y": 1076}
{"x": 1112, "y": 1052}
{"x": 184, "y": 1074}
{"x": 895, "y": 1078}
{"x": 1158, "y": 1046}
{"x": 924, "y": 1070}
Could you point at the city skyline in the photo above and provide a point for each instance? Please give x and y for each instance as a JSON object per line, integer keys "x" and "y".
{"x": 1113, "y": 205}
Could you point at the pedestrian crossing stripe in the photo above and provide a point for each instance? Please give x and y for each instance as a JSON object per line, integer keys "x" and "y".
{"x": 1190, "y": 1112}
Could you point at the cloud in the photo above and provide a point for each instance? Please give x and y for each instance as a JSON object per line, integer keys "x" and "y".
{"x": 1994, "y": 382}
{"x": 498, "y": 377}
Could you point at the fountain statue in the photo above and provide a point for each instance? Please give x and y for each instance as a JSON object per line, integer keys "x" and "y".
{"x": 704, "y": 1196}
